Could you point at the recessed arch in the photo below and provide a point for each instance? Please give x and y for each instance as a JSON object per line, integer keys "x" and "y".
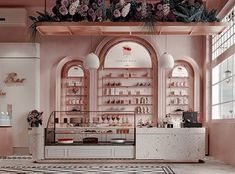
{"x": 103, "y": 51}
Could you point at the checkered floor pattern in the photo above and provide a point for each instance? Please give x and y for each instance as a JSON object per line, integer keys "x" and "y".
{"x": 60, "y": 169}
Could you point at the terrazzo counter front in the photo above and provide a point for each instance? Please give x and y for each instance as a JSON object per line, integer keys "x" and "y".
{"x": 171, "y": 144}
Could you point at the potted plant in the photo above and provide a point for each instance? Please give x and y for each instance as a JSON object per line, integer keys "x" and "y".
{"x": 36, "y": 135}
{"x": 34, "y": 118}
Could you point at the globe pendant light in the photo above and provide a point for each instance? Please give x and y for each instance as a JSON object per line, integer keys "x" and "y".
{"x": 91, "y": 60}
{"x": 166, "y": 60}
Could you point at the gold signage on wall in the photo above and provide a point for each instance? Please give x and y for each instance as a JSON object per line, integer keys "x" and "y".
{"x": 12, "y": 78}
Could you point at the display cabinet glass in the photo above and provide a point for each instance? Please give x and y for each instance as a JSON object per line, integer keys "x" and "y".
{"x": 91, "y": 128}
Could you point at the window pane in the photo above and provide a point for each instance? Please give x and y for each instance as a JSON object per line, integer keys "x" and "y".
{"x": 216, "y": 112}
{"x": 227, "y": 90}
{"x": 226, "y": 68}
{"x": 227, "y": 110}
{"x": 215, "y": 94}
{"x": 215, "y": 74}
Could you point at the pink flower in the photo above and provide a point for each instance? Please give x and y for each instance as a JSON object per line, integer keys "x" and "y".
{"x": 73, "y": 8}
{"x": 99, "y": 12}
{"x": 63, "y": 10}
{"x": 159, "y": 7}
{"x": 139, "y": 8}
{"x": 166, "y": 9}
{"x": 84, "y": 8}
{"x": 91, "y": 12}
{"x": 126, "y": 10}
{"x": 99, "y": 2}
{"x": 116, "y": 13}
{"x": 159, "y": 15}
{"x": 65, "y": 3}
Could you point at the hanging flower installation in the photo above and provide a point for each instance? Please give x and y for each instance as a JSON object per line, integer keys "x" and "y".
{"x": 79, "y": 10}
{"x": 126, "y": 11}
{"x": 96, "y": 11}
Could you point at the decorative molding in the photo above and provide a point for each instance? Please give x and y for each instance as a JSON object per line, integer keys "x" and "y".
{"x": 128, "y": 28}
{"x": 12, "y": 78}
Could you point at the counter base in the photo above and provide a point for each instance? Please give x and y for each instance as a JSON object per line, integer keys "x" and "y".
{"x": 84, "y": 152}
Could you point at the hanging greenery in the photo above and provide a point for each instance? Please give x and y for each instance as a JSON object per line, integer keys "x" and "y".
{"x": 126, "y": 11}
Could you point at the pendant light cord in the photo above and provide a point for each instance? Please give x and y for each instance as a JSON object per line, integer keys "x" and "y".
{"x": 166, "y": 45}
{"x": 45, "y": 6}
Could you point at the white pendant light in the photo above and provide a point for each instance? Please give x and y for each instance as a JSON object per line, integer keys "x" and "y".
{"x": 91, "y": 61}
{"x": 166, "y": 60}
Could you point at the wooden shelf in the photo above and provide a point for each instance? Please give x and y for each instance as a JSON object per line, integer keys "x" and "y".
{"x": 126, "y": 96}
{"x": 146, "y": 77}
{"x": 76, "y": 95}
{"x": 183, "y": 87}
{"x": 114, "y": 104}
{"x": 177, "y": 95}
{"x": 127, "y": 86}
{"x": 128, "y": 28}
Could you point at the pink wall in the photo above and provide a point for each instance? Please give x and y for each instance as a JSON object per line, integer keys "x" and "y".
{"x": 222, "y": 141}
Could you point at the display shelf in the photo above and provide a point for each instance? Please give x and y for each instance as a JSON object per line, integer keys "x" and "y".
{"x": 179, "y": 92}
{"x": 177, "y": 104}
{"x": 74, "y": 87}
{"x": 79, "y": 143}
{"x": 148, "y": 86}
{"x": 128, "y": 28}
{"x": 76, "y": 95}
{"x": 181, "y": 87}
{"x": 178, "y": 95}
{"x": 125, "y": 104}
{"x": 126, "y": 95}
{"x": 125, "y": 78}
{"x": 77, "y": 104}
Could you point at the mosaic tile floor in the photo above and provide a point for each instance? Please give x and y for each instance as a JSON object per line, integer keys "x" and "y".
{"x": 75, "y": 169}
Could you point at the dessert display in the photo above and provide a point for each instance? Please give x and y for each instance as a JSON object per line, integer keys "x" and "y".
{"x": 65, "y": 140}
{"x": 118, "y": 140}
{"x": 90, "y": 140}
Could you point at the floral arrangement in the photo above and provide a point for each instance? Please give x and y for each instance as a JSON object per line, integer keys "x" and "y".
{"x": 78, "y": 10}
{"x": 126, "y": 11}
{"x": 34, "y": 118}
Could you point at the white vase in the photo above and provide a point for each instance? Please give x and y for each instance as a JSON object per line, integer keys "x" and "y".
{"x": 37, "y": 143}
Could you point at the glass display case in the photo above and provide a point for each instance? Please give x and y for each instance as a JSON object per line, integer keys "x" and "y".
{"x": 91, "y": 128}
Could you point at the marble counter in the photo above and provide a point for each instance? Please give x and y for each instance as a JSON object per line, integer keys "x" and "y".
{"x": 171, "y": 144}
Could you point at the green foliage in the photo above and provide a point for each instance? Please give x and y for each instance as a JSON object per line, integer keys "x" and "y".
{"x": 209, "y": 16}
{"x": 193, "y": 12}
{"x": 42, "y": 17}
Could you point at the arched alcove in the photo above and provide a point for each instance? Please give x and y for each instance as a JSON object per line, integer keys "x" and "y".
{"x": 72, "y": 88}
{"x": 180, "y": 91}
{"x": 128, "y": 67}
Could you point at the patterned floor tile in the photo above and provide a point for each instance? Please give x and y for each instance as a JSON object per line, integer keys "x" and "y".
{"x": 74, "y": 169}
